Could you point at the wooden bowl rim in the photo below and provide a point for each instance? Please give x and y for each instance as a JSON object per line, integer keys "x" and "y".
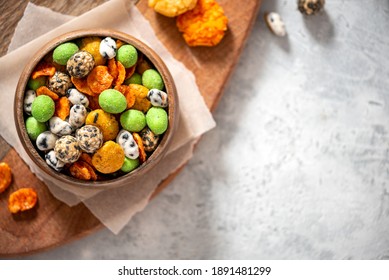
{"x": 157, "y": 155}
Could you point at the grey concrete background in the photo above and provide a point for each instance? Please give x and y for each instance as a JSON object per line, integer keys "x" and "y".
{"x": 297, "y": 167}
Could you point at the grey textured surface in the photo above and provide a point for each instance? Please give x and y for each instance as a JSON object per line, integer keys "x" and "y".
{"x": 297, "y": 167}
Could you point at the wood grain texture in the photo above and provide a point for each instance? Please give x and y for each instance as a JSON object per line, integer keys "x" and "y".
{"x": 53, "y": 223}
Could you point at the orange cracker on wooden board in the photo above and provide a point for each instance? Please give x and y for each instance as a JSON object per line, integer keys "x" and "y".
{"x": 22, "y": 200}
{"x": 172, "y": 8}
{"x": 5, "y": 176}
{"x": 205, "y": 25}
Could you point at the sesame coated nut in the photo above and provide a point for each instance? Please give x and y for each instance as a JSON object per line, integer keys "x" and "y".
{"x": 59, "y": 83}
{"x": 80, "y": 64}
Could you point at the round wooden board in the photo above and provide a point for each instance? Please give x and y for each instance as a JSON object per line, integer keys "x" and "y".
{"x": 53, "y": 223}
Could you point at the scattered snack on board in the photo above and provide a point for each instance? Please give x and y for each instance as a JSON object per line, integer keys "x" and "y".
{"x": 202, "y": 22}
{"x": 172, "y": 8}
{"x": 5, "y": 176}
{"x": 205, "y": 25}
{"x": 22, "y": 200}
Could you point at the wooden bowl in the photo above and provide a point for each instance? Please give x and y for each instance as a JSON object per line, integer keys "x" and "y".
{"x": 144, "y": 169}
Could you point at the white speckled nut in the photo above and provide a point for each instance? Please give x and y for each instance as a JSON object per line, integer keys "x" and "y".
{"x": 108, "y": 48}
{"x": 46, "y": 141}
{"x": 60, "y": 127}
{"x": 275, "y": 24}
{"x": 53, "y": 161}
{"x": 76, "y": 97}
{"x": 158, "y": 98}
{"x": 77, "y": 115}
{"x": 29, "y": 97}
{"x": 127, "y": 142}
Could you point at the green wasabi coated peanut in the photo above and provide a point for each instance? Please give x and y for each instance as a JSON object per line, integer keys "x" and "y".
{"x": 127, "y": 55}
{"x": 133, "y": 120}
{"x": 152, "y": 79}
{"x": 129, "y": 164}
{"x": 157, "y": 120}
{"x": 42, "y": 108}
{"x": 136, "y": 78}
{"x": 34, "y": 128}
{"x": 112, "y": 101}
{"x": 63, "y": 52}
{"x": 34, "y": 84}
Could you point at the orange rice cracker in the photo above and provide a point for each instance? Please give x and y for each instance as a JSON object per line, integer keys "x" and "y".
{"x": 92, "y": 45}
{"x": 43, "y": 69}
{"x": 106, "y": 122}
{"x": 99, "y": 79}
{"x": 141, "y": 101}
{"x": 22, "y": 200}
{"x": 119, "y": 43}
{"x": 86, "y": 157}
{"x": 130, "y": 96}
{"x": 142, "y": 65}
{"x": 94, "y": 102}
{"x": 205, "y": 25}
{"x": 109, "y": 158}
{"x": 43, "y": 90}
{"x": 81, "y": 85}
{"x": 130, "y": 71}
{"x": 112, "y": 68}
{"x": 122, "y": 74}
{"x": 5, "y": 176}
{"x": 172, "y": 8}
{"x": 62, "y": 108}
{"x": 141, "y": 147}
{"x": 83, "y": 171}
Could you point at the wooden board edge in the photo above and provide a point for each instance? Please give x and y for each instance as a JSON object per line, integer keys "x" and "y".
{"x": 173, "y": 175}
